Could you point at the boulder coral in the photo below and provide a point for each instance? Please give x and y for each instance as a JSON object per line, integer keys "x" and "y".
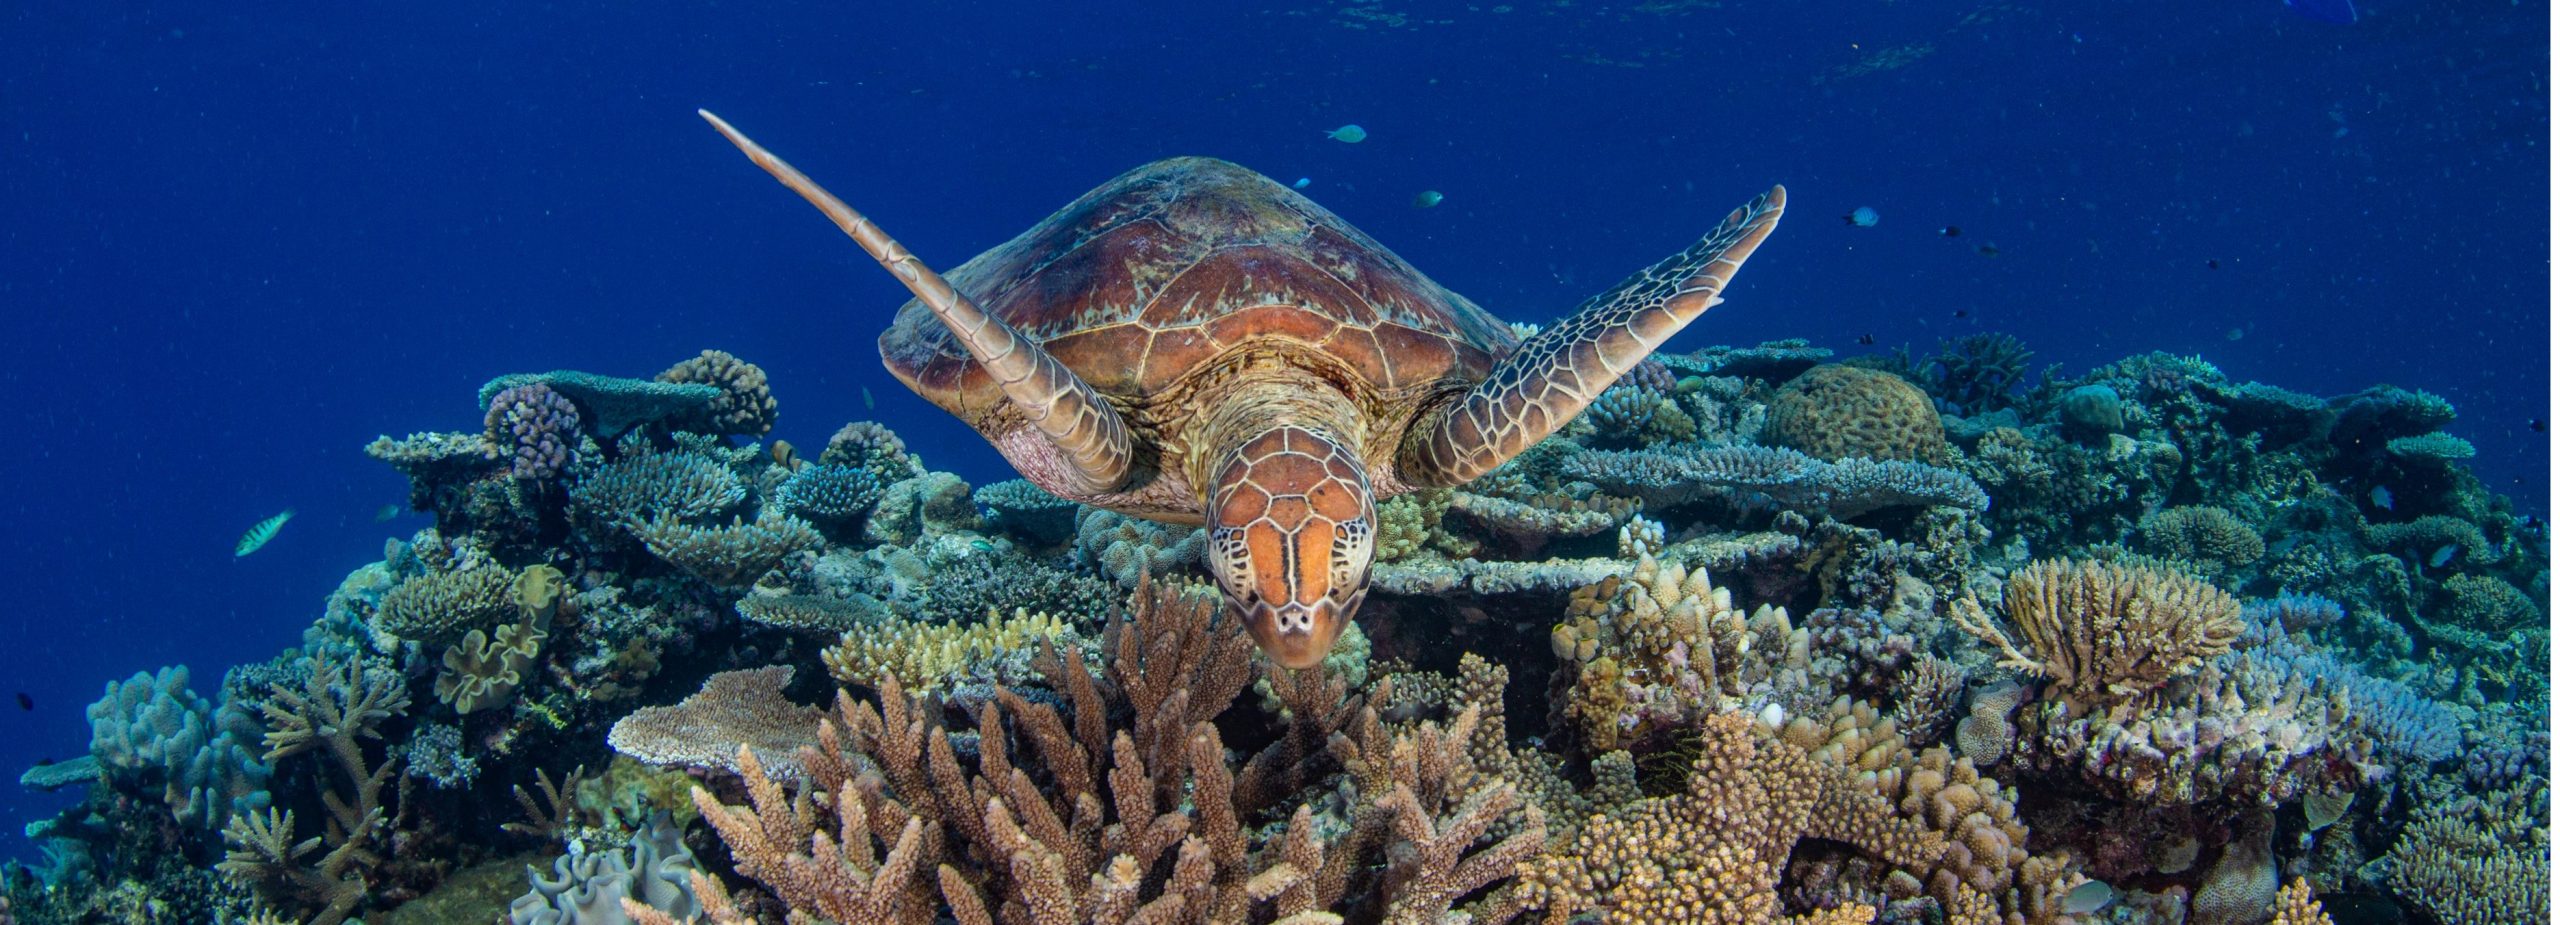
{"x": 1836, "y": 412}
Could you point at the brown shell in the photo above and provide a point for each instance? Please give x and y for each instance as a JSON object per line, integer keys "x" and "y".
{"x": 1160, "y": 272}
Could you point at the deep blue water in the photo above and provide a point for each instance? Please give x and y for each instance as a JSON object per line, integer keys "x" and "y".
{"x": 235, "y": 246}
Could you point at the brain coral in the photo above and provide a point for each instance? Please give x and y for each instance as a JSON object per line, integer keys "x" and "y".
{"x": 1840, "y": 411}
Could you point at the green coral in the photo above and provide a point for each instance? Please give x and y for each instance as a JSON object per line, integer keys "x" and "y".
{"x": 2202, "y": 534}
{"x": 439, "y": 607}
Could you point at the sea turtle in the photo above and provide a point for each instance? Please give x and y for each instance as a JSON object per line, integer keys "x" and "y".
{"x": 1195, "y": 343}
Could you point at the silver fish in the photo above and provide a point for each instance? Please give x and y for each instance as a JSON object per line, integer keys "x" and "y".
{"x": 260, "y": 533}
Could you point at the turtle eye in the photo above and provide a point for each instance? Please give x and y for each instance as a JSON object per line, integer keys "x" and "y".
{"x": 1354, "y": 543}
{"x": 1231, "y": 562}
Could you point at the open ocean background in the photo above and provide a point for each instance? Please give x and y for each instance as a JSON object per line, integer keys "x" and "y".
{"x": 239, "y": 242}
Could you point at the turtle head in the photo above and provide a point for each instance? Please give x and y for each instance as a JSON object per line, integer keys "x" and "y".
{"x": 1291, "y": 531}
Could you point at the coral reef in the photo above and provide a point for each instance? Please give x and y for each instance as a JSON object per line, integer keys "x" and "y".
{"x": 1760, "y": 637}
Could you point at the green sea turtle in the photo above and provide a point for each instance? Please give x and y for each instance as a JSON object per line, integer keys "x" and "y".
{"x": 1194, "y": 343}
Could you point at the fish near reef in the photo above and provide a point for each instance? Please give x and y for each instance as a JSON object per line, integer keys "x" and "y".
{"x": 1195, "y": 343}
{"x": 259, "y": 533}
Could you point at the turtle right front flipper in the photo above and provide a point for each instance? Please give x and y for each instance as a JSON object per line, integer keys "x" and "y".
{"x": 1553, "y": 376}
{"x": 1088, "y": 432}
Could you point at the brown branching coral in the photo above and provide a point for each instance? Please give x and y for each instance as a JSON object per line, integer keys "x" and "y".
{"x": 338, "y": 706}
{"x": 1712, "y": 854}
{"x": 1118, "y": 802}
{"x": 2477, "y": 860}
{"x": 1658, "y": 647}
{"x": 2104, "y": 631}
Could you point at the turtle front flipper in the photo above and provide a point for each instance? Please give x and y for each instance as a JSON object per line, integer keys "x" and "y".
{"x": 1555, "y": 374}
{"x": 1088, "y": 432}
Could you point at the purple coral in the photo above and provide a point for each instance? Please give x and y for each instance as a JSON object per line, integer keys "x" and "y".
{"x": 536, "y": 428}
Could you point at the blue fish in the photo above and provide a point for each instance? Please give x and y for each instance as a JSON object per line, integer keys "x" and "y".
{"x": 2342, "y": 12}
{"x": 2381, "y": 497}
{"x": 1861, "y": 217}
{"x": 2444, "y": 555}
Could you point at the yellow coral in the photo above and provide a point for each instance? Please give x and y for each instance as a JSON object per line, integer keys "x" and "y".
{"x": 2105, "y": 630}
{"x": 1841, "y": 411}
{"x": 1660, "y": 645}
{"x": 928, "y": 657}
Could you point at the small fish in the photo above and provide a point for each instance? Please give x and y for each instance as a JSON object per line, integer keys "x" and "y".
{"x": 25, "y": 702}
{"x": 1987, "y": 249}
{"x": 2539, "y": 425}
{"x": 1964, "y": 313}
{"x": 260, "y": 533}
{"x": 2380, "y": 496}
{"x": 1348, "y": 134}
{"x": 2212, "y": 264}
{"x": 785, "y": 455}
{"x": 1951, "y": 231}
{"x": 1866, "y": 340}
{"x": 386, "y": 513}
{"x": 1426, "y": 199}
{"x": 2443, "y": 556}
{"x": 1861, "y": 217}
{"x": 866, "y": 398}
{"x": 2529, "y": 524}
{"x": 2088, "y": 897}
{"x": 1302, "y": 183}
{"x": 2234, "y": 335}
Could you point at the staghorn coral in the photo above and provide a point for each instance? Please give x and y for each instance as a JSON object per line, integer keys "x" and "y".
{"x": 744, "y": 405}
{"x": 2477, "y": 860}
{"x": 337, "y": 706}
{"x": 2202, "y": 534}
{"x": 2294, "y": 906}
{"x": 1979, "y": 372}
{"x": 1141, "y": 816}
{"x": 534, "y": 429}
{"x": 735, "y": 712}
{"x": 933, "y": 658}
{"x": 1711, "y": 854}
{"x": 2103, "y": 631}
{"x": 1837, "y": 412}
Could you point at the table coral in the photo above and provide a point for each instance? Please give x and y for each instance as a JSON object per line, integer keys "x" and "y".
{"x": 736, "y": 711}
{"x": 1785, "y": 478}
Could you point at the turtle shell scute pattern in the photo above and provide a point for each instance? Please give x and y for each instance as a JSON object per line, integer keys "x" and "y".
{"x": 1161, "y": 271}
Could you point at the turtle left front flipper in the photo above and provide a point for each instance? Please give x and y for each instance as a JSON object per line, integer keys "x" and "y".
{"x": 1088, "y": 432}
{"x": 1555, "y": 374}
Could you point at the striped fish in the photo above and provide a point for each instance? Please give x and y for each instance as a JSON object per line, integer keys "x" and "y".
{"x": 259, "y": 534}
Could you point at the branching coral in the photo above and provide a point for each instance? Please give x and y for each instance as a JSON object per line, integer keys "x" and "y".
{"x": 1116, "y": 804}
{"x": 2103, "y": 631}
{"x": 338, "y": 705}
{"x": 438, "y": 607}
{"x": 745, "y": 404}
{"x": 1711, "y": 854}
{"x": 1656, "y": 649}
{"x": 2203, "y": 534}
{"x": 534, "y": 429}
{"x": 933, "y": 658}
{"x": 2477, "y": 860}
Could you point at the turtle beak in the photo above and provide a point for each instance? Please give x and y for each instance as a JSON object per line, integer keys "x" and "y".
{"x": 1296, "y": 635}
